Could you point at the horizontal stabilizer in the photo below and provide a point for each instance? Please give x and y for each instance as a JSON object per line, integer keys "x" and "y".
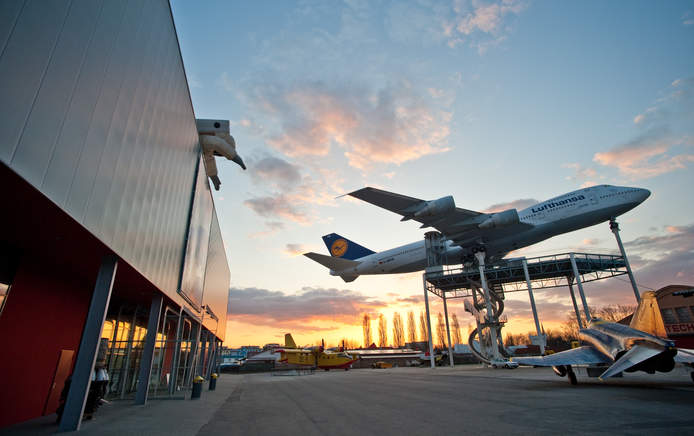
{"x": 684, "y": 355}
{"x": 577, "y": 356}
{"x": 334, "y": 263}
{"x": 636, "y": 355}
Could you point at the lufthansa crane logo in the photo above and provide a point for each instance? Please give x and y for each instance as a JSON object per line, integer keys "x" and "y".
{"x": 338, "y": 248}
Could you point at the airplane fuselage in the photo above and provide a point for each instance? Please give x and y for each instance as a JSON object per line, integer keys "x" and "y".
{"x": 613, "y": 340}
{"x": 565, "y": 213}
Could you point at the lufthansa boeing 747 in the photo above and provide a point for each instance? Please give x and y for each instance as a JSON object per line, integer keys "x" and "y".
{"x": 469, "y": 232}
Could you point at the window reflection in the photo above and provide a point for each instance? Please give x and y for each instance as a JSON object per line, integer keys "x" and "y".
{"x": 4, "y": 291}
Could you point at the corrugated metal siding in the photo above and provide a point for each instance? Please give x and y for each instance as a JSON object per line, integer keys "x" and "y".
{"x": 96, "y": 115}
{"x": 217, "y": 279}
{"x": 194, "y": 265}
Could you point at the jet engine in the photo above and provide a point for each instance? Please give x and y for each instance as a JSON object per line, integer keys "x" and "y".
{"x": 501, "y": 219}
{"x": 436, "y": 207}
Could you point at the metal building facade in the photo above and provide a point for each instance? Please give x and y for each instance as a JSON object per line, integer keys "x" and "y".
{"x": 101, "y": 122}
{"x": 99, "y": 156}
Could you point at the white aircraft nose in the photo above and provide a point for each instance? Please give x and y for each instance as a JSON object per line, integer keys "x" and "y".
{"x": 643, "y": 194}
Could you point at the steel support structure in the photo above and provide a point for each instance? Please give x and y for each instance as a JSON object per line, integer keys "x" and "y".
{"x": 532, "y": 305}
{"x": 126, "y": 366}
{"x": 89, "y": 344}
{"x": 431, "y": 342}
{"x": 577, "y": 276}
{"x": 448, "y": 331}
{"x": 195, "y": 347}
{"x": 177, "y": 354}
{"x": 518, "y": 275}
{"x": 489, "y": 318}
{"x": 573, "y": 300}
{"x": 614, "y": 226}
{"x": 148, "y": 350}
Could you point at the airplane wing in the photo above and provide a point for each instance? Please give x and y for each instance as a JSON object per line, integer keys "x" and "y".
{"x": 457, "y": 224}
{"x": 292, "y": 351}
{"x": 576, "y": 356}
{"x": 684, "y": 355}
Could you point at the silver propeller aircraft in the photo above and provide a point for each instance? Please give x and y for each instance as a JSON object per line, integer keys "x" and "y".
{"x": 469, "y": 232}
{"x": 615, "y": 348}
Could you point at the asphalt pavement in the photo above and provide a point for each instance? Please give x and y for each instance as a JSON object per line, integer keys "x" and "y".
{"x": 466, "y": 399}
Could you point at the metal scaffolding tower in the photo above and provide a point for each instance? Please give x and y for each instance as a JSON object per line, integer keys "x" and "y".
{"x": 488, "y": 284}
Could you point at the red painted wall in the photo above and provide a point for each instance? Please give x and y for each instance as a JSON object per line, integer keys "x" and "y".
{"x": 44, "y": 313}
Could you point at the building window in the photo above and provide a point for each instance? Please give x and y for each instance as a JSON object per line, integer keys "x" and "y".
{"x": 683, "y": 314}
{"x": 668, "y": 316}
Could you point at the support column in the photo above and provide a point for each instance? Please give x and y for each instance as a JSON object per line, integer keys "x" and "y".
{"x": 194, "y": 351}
{"x": 176, "y": 354}
{"x": 128, "y": 351}
{"x": 532, "y": 304}
{"x": 148, "y": 350}
{"x": 448, "y": 330}
{"x": 490, "y": 312}
{"x": 212, "y": 354}
{"x": 430, "y": 339}
{"x": 573, "y": 300}
{"x": 483, "y": 348}
{"x": 586, "y": 310}
{"x": 614, "y": 226}
{"x": 89, "y": 344}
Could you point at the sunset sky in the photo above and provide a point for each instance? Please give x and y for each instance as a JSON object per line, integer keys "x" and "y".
{"x": 489, "y": 101}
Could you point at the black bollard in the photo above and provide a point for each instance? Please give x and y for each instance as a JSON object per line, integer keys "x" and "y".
{"x": 213, "y": 381}
{"x": 197, "y": 388}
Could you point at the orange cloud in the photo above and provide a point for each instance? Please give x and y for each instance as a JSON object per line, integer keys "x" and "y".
{"x": 646, "y": 156}
{"x": 391, "y": 126}
{"x": 295, "y": 249}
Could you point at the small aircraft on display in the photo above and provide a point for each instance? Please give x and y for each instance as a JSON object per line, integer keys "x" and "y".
{"x": 613, "y": 348}
{"x": 469, "y": 232}
{"x": 316, "y": 357}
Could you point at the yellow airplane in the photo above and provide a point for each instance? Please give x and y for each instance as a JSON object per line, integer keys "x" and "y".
{"x": 316, "y": 357}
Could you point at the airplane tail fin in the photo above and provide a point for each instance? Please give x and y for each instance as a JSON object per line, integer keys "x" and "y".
{"x": 341, "y": 247}
{"x": 647, "y": 317}
{"x": 289, "y": 341}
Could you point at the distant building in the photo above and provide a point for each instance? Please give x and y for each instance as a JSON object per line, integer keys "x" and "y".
{"x": 421, "y": 345}
{"x": 241, "y": 352}
{"x": 676, "y": 304}
{"x": 108, "y": 229}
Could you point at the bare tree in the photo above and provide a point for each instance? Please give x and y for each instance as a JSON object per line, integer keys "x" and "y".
{"x": 613, "y": 313}
{"x": 423, "y": 331}
{"x": 441, "y": 330}
{"x": 411, "y": 327}
{"x": 366, "y": 326}
{"x": 382, "y": 331}
{"x": 457, "y": 338}
{"x": 349, "y": 344}
{"x": 569, "y": 328}
{"x": 398, "y": 331}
